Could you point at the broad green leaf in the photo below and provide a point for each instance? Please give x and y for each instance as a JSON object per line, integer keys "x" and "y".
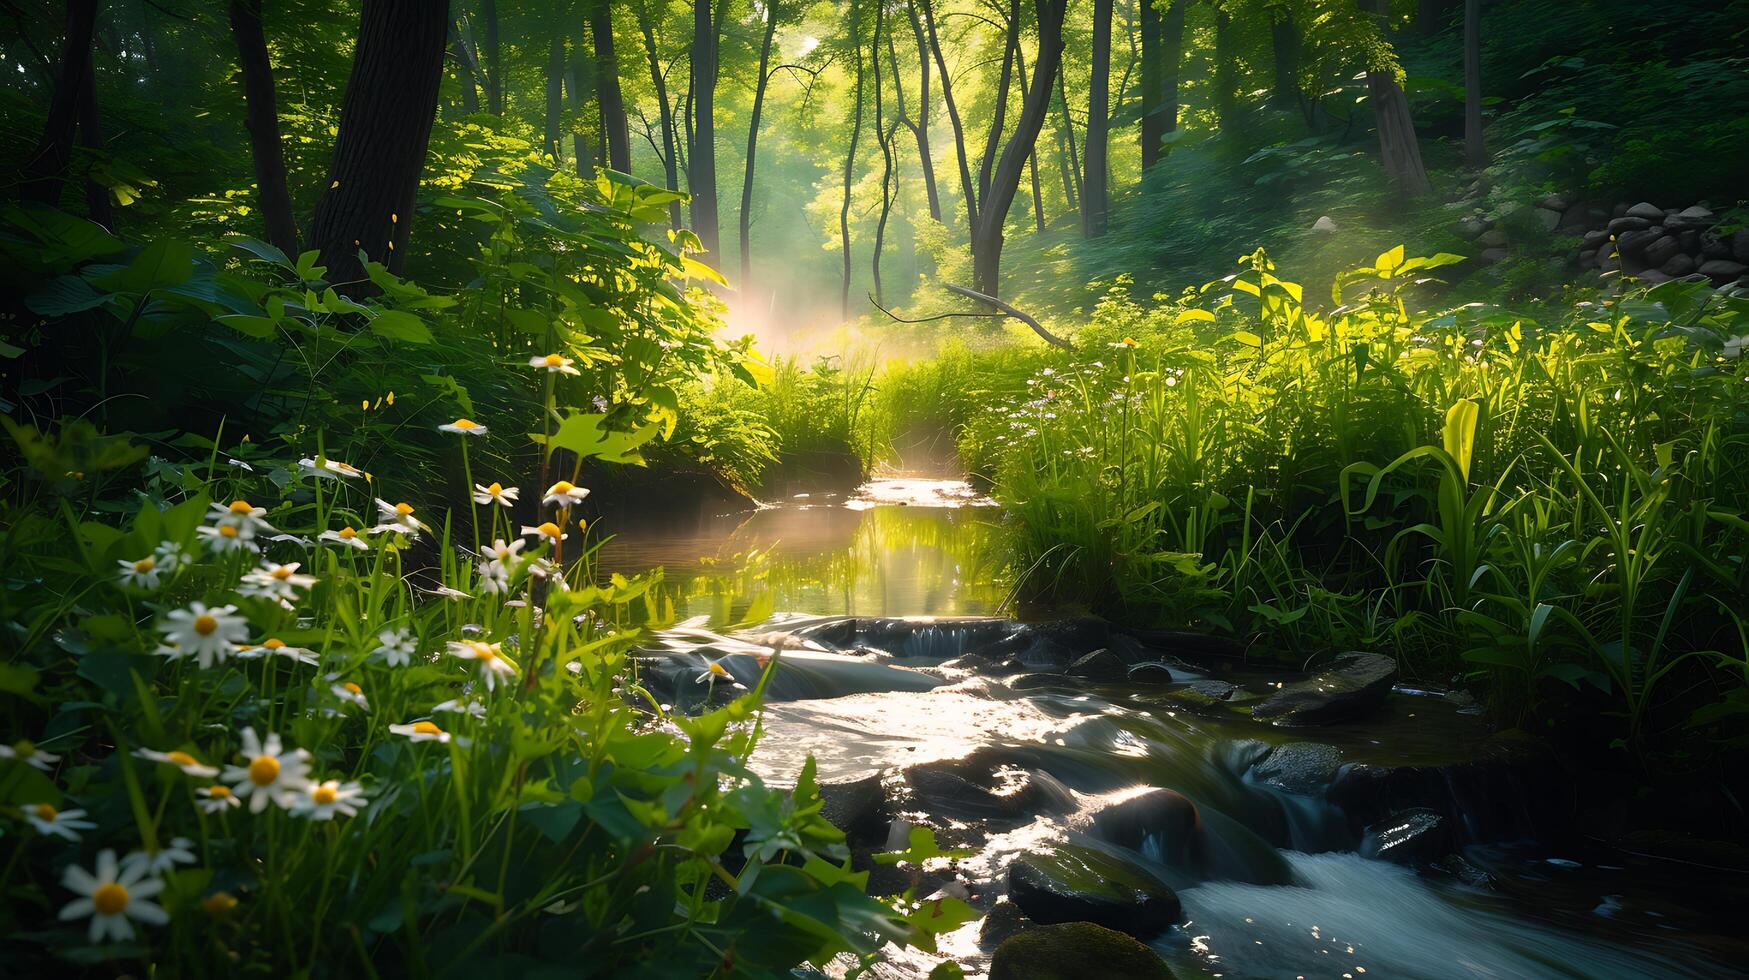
{"x": 582, "y": 434}
{"x": 1460, "y": 433}
{"x": 164, "y": 262}
{"x": 401, "y": 325}
{"x": 64, "y": 295}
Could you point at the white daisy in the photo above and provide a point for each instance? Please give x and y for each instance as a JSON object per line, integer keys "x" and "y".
{"x": 51, "y": 822}
{"x": 271, "y": 581}
{"x": 398, "y": 517}
{"x": 27, "y": 752}
{"x": 244, "y": 516}
{"x": 321, "y": 801}
{"x": 495, "y": 493}
{"x": 396, "y": 647}
{"x": 111, "y": 897}
{"x": 350, "y": 693}
{"x": 181, "y": 760}
{"x": 210, "y": 635}
{"x": 463, "y": 427}
{"x": 493, "y": 666}
{"x": 564, "y": 494}
{"x": 494, "y": 578}
{"x": 141, "y": 574}
{"x": 271, "y": 774}
{"x": 554, "y": 363}
{"x": 170, "y": 556}
{"x": 225, "y": 538}
{"x": 473, "y": 709}
{"x": 329, "y": 469}
{"x": 274, "y": 646}
{"x": 217, "y": 798}
{"x": 347, "y": 536}
{"x": 163, "y": 859}
{"x": 543, "y": 569}
{"x": 421, "y": 731}
{"x": 548, "y": 531}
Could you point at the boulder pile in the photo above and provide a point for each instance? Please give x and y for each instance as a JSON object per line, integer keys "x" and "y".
{"x": 1657, "y": 244}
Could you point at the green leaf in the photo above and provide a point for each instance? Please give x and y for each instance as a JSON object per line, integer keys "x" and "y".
{"x": 63, "y": 295}
{"x": 259, "y": 327}
{"x": 582, "y": 434}
{"x": 401, "y": 325}
{"x": 164, "y": 262}
{"x": 1460, "y": 433}
{"x": 1388, "y": 262}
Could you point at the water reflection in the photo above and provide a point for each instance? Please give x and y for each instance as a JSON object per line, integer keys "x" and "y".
{"x": 896, "y": 547}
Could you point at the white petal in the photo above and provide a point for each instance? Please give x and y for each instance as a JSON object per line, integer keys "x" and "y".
{"x": 76, "y": 909}
{"x": 148, "y": 912}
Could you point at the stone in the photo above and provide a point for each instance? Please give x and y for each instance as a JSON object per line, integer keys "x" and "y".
{"x": 1352, "y": 685}
{"x": 1588, "y": 257}
{"x": 1002, "y": 922}
{"x": 1493, "y": 238}
{"x": 1473, "y": 226}
{"x": 1722, "y": 269}
{"x": 1695, "y": 217}
{"x": 1579, "y": 216}
{"x": 1550, "y": 219}
{"x": 1594, "y": 238}
{"x": 1152, "y": 672}
{"x": 1074, "y": 951}
{"x": 1623, "y": 225}
{"x": 1301, "y": 768}
{"x": 1740, "y": 245}
{"x": 1647, "y": 210}
{"x": 1101, "y": 666}
{"x": 1652, "y": 277}
{"x": 1324, "y": 225}
{"x": 1679, "y": 265}
{"x": 1493, "y": 255}
{"x": 1714, "y": 245}
{"x": 1608, "y": 260}
{"x": 1413, "y": 837}
{"x": 855, "y": 806}
{"x": 980, "y": 787}
{"x": 1083, "y": 884}
{"x": 1662, "y": 250}
{"x": 1635, "y": 242}
{"x": 1556, "y": 202}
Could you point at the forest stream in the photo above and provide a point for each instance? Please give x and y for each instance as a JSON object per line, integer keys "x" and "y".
{"x": 1393, "y": 834}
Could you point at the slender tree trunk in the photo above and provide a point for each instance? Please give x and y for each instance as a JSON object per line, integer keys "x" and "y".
{"x": 967, "y": 189}
{"x": 670, "y": 161}
{"x": 1399, "y": 148}
{"x": 850, "y": 164}
{"x": 999, "y": 113}
{"x": 1066, "y": 162}
{"x": 579, "y": 78}
{"x": 273, "y": 193}
{"x": 555, "y": 104}
{"x": 987, "y": 245}
{"x": 746, "y": 215}
{"x": 920, "y": 127}
{"x": 1162, "y": 52}
{"x": 1226, "y": 80}
{"x": 883, "y": 137}
{"x": 1073, "y": 175}
{"x": 385, "y": 128}
{"x": 1093, "y": 197}
{"x": 1475, "y": 150}
{"x": 494, "y": 68}
{"x": 702, "y": 177}
{"x": 465, "y": 70}
{"x": 46, "y": 168}
{"x": 1038, "y": 198}
{"x": 97, "y": 206}
{"x": 1284, "y": 41}
{"x": 613, "y": 107}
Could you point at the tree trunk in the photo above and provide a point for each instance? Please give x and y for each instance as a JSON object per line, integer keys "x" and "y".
{"x": 884, "y": 138}
{"x": 494, "y": 68}
{"x": 385, "y": 127}
{"x": 97, "y": 206}
{"x": 850, "y": 164}
{"x": 670, "y": 162}
{"x": 46, "y": 168}
{"x": 1284, "y": 41}
{"x": 1399, "y": 149}
{"x": 1226, "y": 80}
{"x": 579, "y": 80}
{"x": 987, "y": 244}
{"x": 920, "y": 127}
{"x": 1162, "y": 49}
{"x": 764, "y": 78}
{"x": 1038, "y": 197}
{"x": 613, "y": 107}
{"x": 273, "y": 193}
{"x": 1475, "y": 150}
{"x": 466, "y": 71}
{"x": 1093, "y": 197}
{"x": 701, "y": 178}
{"x": 555, "y": 105}
{"x": 1067, "y": 160}
{"x": 999, "y": 112}
{"x": 967, "y": 190}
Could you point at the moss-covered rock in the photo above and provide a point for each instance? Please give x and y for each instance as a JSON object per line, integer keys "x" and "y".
{"x": 1073, "y": 951}
{"x": 1083, "y": 884}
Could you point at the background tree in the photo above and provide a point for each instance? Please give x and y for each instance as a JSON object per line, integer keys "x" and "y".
{"x": 1475, "y": 148}
{"x": 1093, "y": 185}
{"x": 273, "y": 193}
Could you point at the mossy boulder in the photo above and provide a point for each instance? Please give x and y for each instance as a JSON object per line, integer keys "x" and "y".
{"x": 1073, "y": 951}
{"x": 1074, "y": 883}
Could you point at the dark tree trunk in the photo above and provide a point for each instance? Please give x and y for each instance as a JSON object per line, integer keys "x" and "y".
{"x": 494, "y": 67}
{"x": 967, "y": 189}
{"x": 1162, "y": 50}
{"x": 850, "y": 164}
{"x": 46, "y": 168}
{"x": 1067, "y": 160}
{"x": 670, "y": 161}
{"x": 554, "y": 130}
{"x": 999, "y": 113}
{"x": 385, "y": 128}
{"x": 1284, "y": 42}
{"x": 1093, "y": 197}
{"x": 97, "y": 206}
{"x": 1038, "y": 197}
{"x": 1475, "y": 150}
{"x": 1399, "y": 148}
{"x": 987, "y": 244}
{"x": 701, "y": 177}
{"x": 579, "y": 81}
{"x": 883, "y": 136}
{"x": 466, "y": 71}
{"x": 920, "y": 127}
{"x": 262, "y": 120}
{"x": 746, "y": 215}
{"x": 1226, "y": 80}
{"x": 607, "y": 92}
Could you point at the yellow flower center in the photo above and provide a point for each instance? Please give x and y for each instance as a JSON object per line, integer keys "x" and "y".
{"x": 181, "y": 758}
{"x": 549, "y": 529}
{"x": 403, "y": 509}
{"x": 24, "y": 749}
{"x": 145, "y": 565}
{"x": 219, "y": 792}
{"x": 324, "y": 795}
{"x": 242, "y": 507}
{"x": 354, "y": 688}
{"x": 495, "y": 489}
{"x": 485, "y": 651}
{"x": 263, "y": 770}
{"x": 109, "y": 898}
{"x": 282, "y": 572}
{"x": 562, "y": 487}
{"x": 274, "y": 644}
{"x": 227, "y": 531}
{"x": 205, "y": 624}
{"x": 347, "y": 534}
{"x": 218, "y": 904}
{"x": 554, "y": 360}
{"x": 466, "y": 424}
{"x": 426, "y": 728}
{"x": 719, "y": 669}
{"x": 46, "y": 812}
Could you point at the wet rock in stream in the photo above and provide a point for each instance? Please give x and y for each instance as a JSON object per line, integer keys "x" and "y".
{"x": 1351, "y": 686}
{"x": 1101, "y": 666}
{"x": 1074, "y": 951}
{"x": 1413, "y": 837}
{"x": 1074, "y": 883}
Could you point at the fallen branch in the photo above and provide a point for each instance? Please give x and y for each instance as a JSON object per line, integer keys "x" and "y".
{"x": 1007, "y": 311}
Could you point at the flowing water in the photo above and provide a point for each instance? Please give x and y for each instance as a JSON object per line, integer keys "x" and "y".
{"x": 875, "y": 599}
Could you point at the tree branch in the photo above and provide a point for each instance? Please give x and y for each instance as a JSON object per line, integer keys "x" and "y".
{"x": 1036, "y": 326}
